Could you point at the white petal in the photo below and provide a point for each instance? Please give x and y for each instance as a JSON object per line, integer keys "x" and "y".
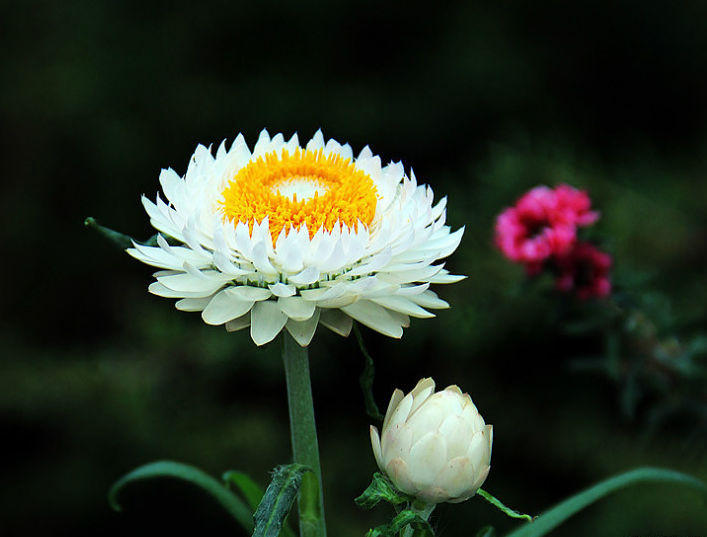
{"x": 303, "y": 331}
{"x": 171, "y": 184}
{"x": 335, "y": 261}
{"x": 412, "y": 290}
{"x": 427, "y": 458}
{"x": 376, "y": 445}
{"x": 445, "y": 277}
{"x": 227, "y": 267}
{"x": 375, "y": 317}
{"x": 395, "y": 400}
{"x": 261, "y": 261}
{"x": 478, "y": 449}
{"x": 262, "y": 145}
{"x": 307, "y": 277}
{"x": 375, "y": 263}
{"x": 421, "y": 392}
{"x": 238, "y": 324}
{"x": 156, "y": 288}
{"x": 399, "y": 472}
{"x": 172, "y": 259}
{"x": 400, "y": 414}
{"x": 225, "y": 306}
{"x": 457, "y": 432}
{"x": 266, "y": 322}
{"x": 338, "y": 302}
{"x": 429, "y": 299}
{"x": 317, "y": 141}
{"x": 282, "y": 290}
{"x": 192, "y": 304}
{"x": 423, "y": 274}
{"x": 336, "y": 321}
{"x": 250, "y": 293}
{"x": 481, "y": 476}
{"x": 457, "y": 477}
{"x": 403, "y": 305}
{"x": 297, "y": 308}
{"x": 189, "y": 283}
{"x": 396, "y": 442}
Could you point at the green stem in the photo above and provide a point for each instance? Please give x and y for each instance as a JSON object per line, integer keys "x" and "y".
{"x": 424, "y": 510}
{"x": 304, "y": 437}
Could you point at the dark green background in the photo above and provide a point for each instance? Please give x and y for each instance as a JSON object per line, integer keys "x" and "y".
{"x": 482, "y": 99}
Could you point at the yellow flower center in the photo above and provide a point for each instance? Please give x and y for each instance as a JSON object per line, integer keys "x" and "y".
{"x": 306, "y": 187}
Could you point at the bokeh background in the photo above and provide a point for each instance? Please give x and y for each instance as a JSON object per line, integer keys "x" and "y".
{"x": 483, "y": 99}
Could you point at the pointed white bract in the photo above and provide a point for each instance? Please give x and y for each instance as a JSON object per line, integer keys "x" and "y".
{"x": 435, "y": 446}
{"x": 378, "y": 274}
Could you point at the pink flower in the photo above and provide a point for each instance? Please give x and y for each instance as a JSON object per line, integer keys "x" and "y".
{"x": 543, "y": 223}
{"x": 584, "y": 270}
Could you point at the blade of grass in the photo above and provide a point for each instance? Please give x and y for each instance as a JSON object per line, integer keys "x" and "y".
{"x": 176, "y": 470}
{"x": 549, "y": 520}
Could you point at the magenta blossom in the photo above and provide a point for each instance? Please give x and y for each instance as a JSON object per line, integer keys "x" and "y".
{"x": 543, "y": 223}
{"x": 584, "y": 270}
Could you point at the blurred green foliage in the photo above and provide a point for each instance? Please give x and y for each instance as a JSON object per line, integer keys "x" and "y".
{"x": 483, "y": 99}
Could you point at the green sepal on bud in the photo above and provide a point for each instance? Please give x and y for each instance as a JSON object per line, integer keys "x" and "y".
{"x": 405, "y": 518}
{"x": 381, "y": 490}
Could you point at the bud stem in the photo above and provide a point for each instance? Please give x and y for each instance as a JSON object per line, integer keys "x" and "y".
{"x": 305, "y": 449}
{"x": 424, "y": 510}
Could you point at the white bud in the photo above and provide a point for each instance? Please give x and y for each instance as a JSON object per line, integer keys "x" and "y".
{"x": 435, "y": 446}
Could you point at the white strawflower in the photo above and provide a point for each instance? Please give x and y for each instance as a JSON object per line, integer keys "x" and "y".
{"x": 289, "y": 237}
{"x": 435, "y": 446}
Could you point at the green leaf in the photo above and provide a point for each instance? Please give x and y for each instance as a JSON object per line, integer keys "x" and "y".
{"x": 278, "y": 498}
{"x": 381, "y": 490}
{"x": 121, "y": 240}
{"x": 486, "y": 531}
{"x": 499, "y": 505}
{"x": 561, "y": 512}
{"x": 400, "y": 522}
{"x": 169, "y": 469}
{"x": 251, "y": 491}
{"x": 366, "y": 379}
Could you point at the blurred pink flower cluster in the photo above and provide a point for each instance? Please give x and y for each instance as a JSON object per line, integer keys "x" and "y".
{"x": 540, "y": 232}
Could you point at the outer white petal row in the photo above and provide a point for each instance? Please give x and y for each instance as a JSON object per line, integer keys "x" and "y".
{"x": 378, "y": 275}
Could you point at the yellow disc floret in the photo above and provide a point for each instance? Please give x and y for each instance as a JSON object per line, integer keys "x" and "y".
{"x": 305, "y": 187}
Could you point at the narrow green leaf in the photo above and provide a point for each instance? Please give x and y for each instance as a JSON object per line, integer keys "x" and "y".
{"x": 366, "y": 379}
{"x": 501, "y": 507}
{"x": 381, "y": 490}
{"x": 170, "y": 469}
{"x": 561, "y": 512}
{"x": 486, "y": 531}
{"x": 251, "y": 491}
{"x": 278, "y": 498}
{"x": 121, "y": 240}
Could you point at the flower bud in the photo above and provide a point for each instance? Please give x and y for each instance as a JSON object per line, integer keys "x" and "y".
{"x": 435, "y": 446}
